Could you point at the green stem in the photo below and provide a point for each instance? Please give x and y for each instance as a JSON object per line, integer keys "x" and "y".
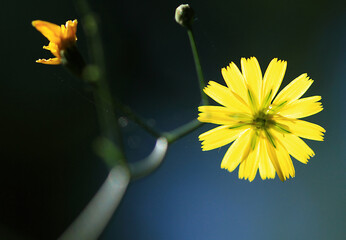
{"x": 198, "y": 66}
{"x": 107, "y": 120}
{"x": 97, "y": 76}
{"x": 182, "y": 131}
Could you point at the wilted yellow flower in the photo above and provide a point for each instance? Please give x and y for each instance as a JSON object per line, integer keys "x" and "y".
{"x": 60, "y": 38}
{"x": 265, "y": 130}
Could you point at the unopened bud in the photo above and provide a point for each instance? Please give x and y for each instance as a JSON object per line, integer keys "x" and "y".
{"x": 184, "y": 15}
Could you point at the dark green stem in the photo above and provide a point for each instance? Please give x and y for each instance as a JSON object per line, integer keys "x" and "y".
{"x": 96, "y": 75}
{"x": 136, "y": 118}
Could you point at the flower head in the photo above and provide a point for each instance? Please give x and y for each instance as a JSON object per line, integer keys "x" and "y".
{"x": 265, "y": 127}
{"x": 60, "y": 38}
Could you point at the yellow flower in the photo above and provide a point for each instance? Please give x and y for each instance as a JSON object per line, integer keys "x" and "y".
{"x": 265, "y": 130}
{"x": 60, "y": 38}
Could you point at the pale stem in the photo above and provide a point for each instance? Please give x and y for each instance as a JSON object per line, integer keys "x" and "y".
{"x": 152, "y": 162}
{"x": 95, "y": 217}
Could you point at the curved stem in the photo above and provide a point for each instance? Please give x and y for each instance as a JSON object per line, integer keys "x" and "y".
{"x": 95, "y": 217}
{"x": 146, "y": 166}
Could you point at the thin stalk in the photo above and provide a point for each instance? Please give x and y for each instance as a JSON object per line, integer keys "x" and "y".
{"x": 136, "y": 118}
{"x": 182, "y": 131}
{"x": 197, "y": 65}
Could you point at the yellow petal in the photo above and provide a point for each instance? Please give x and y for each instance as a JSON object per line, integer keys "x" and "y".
{"x": 235, "y": 80}
{"x": 302, "y": 108}
{"x": 53, "y": 48}
{"x": 241, "y": 171}
{"x": 295, "y": 146}
{"x": 248, "y": 167}
{"x": 272, "y": 79}
{"x": 294, "y": 90}
{"x": 219, "y": 137}
{"x": 285, "y": 161}
{"x": 68, "y": 33}
{"x": 223, "y": 110}
{"x": 253, "y": 77}
{"x": 238, "y": 151}
{"x": 266, "y": 167}
{"x": 50, "y": 61}
{"x": 71, "y": 29}
{"x": 224, "y": 96}
{"x": 221, "y": 115}
{"x": 216, "y": 118}
{"x": 63, "y": 32}
{"x": 304, "y": 129}
{"x": 50, "y": 30}
{"x": 274, "y": 159}
{"x": 213, "y": 132}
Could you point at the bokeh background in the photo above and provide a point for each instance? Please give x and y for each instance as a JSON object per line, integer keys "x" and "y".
{"x": 49, "y": 171}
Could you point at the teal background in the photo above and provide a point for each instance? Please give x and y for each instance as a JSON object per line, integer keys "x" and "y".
{"x": 48, "y": 121}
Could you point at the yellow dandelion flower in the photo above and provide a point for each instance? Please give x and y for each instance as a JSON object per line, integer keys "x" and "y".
{"x": 265, "y": 130}
{"x": 60, "y": 38}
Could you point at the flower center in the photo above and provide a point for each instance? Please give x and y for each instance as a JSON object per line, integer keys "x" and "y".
{"x": 262, "y": 121}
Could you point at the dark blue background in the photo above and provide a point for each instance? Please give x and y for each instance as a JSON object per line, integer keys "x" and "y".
{"x": 48, "y": 122}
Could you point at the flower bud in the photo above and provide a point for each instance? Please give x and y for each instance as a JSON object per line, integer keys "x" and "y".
{"x": 184, "y": 15}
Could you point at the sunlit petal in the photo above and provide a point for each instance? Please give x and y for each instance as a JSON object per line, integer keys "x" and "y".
{"x": 50, "y": 61}
{"x": 272, "y": 79}
{"x": 253, "y": 77}
{"x": 235, "y": 80}
{"x": 304, "y": 129}
{"x": 248, "y": 168}
{"x": 238, "y": 151}
{"x": 50, "y": 30}
{"x": 301, "y": 108}
{"x": 219, "y": 137}
{"x": 274, "y": 160}
{"x": 294, "y": 90}
{"x": 71, "y": 29}
{"x": 285, "y": 161}
{"x": 222, "y": 115}
{"x": 224, "y": 96}
{"x": 266, "y": 167}
{"x": 295, "y": 146}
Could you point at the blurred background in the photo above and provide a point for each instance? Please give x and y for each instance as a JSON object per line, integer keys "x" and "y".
{"x": 49, "y": 171}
